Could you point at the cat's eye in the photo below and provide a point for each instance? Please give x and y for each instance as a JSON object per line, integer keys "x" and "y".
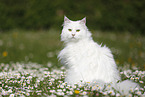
{"x": 69, "y": 29}
{"x": 78, "y": 30}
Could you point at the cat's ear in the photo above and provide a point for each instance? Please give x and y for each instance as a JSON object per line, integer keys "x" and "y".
{"x": 66, "y": 20}
{"x": 83, "y": 21}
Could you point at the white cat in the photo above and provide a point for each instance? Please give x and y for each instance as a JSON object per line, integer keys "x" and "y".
{"x": 86, "y": 60}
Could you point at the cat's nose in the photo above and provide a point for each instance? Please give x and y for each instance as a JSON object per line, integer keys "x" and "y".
{"x": 73, "y": 35}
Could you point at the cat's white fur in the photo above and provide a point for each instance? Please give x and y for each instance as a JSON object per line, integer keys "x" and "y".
{"x": 86, "y": 60}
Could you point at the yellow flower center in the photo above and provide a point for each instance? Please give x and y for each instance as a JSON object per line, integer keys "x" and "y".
{"x": 77, "y": 91}
{"x": 5, "y": 53}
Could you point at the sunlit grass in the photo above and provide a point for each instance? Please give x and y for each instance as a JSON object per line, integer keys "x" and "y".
{"x": 40, "y": 47}
{"x": 43, "y": 46}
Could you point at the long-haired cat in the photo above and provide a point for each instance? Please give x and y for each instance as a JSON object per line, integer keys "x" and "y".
{"x": 86, "y": 60}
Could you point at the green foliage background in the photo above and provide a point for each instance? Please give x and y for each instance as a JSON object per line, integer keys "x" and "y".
{"x": 120, "y": 15}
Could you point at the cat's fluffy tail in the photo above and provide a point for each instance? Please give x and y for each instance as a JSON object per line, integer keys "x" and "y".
{"x": 127, "y": 86}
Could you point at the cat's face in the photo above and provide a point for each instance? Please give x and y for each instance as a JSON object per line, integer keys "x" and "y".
{"x": 74, "y": 30}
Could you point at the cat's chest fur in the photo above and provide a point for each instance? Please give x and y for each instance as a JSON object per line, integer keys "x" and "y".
{"x": 81, "y": 53}
{"x": 78, "y": 49}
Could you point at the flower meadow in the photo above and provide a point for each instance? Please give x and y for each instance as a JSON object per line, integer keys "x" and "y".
{"x": 29, "y": 64}
{"x": 32, "y": 79}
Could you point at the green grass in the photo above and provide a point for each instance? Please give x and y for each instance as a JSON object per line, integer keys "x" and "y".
{"x": 40, "y": 47}
{"x": 43, "y": 46}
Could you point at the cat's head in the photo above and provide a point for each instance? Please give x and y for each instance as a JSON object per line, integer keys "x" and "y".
{"x": 74, "y": 30}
